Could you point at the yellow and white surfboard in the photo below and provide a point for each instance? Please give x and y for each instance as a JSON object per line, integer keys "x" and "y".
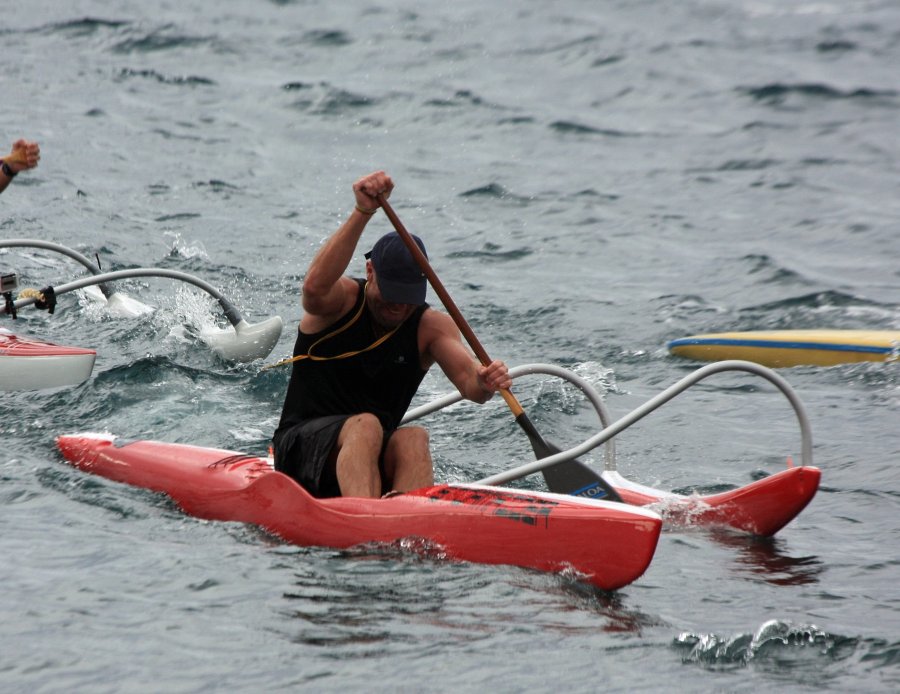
{"x": 779, "y": 348}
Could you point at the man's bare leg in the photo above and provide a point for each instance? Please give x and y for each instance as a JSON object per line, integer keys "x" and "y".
{"x": 407, "y": 460}
{"x": 359, "y": 446}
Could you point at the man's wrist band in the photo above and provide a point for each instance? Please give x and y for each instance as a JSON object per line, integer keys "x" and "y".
{"x": 366, "y": 212}
{"x": 8, "y": 172}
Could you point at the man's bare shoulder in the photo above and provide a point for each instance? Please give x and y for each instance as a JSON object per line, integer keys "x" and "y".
{"x": 437, "y": 322}
{"x": 437, "y": 333}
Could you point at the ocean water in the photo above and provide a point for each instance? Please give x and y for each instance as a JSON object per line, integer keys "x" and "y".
{"x": 592, "y": 180}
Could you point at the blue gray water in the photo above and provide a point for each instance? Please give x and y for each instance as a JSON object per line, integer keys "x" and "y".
{"x": 592, "y": 179}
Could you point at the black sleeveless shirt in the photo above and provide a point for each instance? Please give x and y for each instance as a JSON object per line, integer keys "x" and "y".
{"x": 381, "y": 381}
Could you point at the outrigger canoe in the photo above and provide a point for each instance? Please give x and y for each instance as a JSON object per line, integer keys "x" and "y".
{"x": 27, "y": 364}
{"x": 783, "y": 348}
{"x": 606, "y": 544}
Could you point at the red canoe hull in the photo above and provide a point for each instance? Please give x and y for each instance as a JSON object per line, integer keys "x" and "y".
{"x": 607, "y": 545}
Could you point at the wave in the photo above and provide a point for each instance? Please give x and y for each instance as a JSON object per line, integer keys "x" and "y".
{"x": 762, "y": 264}
{"x": 151, "y": 370}
{"x": 327, "y": 37}
{"x": 748, "y": 164}
{"x": 496, "y": 191}
{"x": 795, "y": 651}
{"x": 179, "y": 217}
{"x": 491, "y": 190}
{"x": 94, "y": 491}
{"x": 86, "y": 26}
{"x": 465, "y": 98}
{"x": 179, "y": 80}
{"x": 836, "y": 46}
{"x": 778, "y": 93}
{"x": 161, "y": 39}
{"x": 830, "y": 308}
{"x": 571, "y": 128}
{"x": 325, "y": 99}
{"x": 823, "y": 299}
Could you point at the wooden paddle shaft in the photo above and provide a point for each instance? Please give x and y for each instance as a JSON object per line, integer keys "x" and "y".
{"x": 446, "y": 299}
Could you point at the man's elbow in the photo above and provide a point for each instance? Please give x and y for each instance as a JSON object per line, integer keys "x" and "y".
{"x": 312, "y": 294}
{"x": 310, "y": 287}
{"x": 478, "y": 395}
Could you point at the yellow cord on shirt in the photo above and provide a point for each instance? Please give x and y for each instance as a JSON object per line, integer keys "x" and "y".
{"x": 345, "y": 355}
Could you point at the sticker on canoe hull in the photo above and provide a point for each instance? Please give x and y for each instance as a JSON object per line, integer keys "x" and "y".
{"x": 529, "y": 510}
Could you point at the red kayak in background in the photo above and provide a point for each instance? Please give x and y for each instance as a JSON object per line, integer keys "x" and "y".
{"x": 605, "y": 544}
{"x": 28, "y": 364}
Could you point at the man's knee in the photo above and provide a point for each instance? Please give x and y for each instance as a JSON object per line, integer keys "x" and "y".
{"x": 364, "y": 427}
{"x": 412, "y": 436}
{"x": 366, "y": 420}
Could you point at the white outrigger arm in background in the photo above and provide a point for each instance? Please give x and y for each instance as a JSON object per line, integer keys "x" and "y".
{"x": 245, "y": 342}
{"x": 117, "y": 302}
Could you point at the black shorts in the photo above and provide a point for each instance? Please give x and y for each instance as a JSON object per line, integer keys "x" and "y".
{"x": 304, "y": 452}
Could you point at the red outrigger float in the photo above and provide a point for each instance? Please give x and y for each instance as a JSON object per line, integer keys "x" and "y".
{"x": 606, "y": 544}
{"x": 760, "y": 508}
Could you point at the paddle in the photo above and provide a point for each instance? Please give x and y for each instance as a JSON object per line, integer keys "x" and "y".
{"x": 568, "y": 477}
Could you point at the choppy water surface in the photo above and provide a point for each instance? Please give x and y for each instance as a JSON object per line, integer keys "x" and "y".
{"x": 592, "y": 180}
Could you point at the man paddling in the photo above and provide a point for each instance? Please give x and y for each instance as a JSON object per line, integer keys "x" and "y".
{"x": 363, "y": 347}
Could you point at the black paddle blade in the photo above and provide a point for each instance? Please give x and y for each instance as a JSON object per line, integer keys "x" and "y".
{"x": 570, "y": 476}
{"x": 577, "y": 479}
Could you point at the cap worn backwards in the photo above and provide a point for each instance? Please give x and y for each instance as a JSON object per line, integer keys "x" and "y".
{"x": 400, "y": 279}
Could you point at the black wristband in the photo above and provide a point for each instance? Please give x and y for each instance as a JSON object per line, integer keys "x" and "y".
{"x": 8, "y": 172}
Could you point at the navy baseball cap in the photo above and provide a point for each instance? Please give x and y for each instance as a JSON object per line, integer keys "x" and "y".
{"x": 400, "y": 279}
